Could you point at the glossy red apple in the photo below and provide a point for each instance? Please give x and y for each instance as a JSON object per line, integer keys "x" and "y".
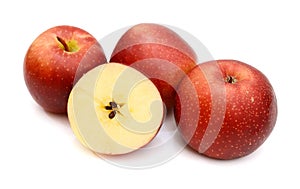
{"x": 233, "y": 105}
{"x": 159, "y": 53}
{"x": 56, "y": 59}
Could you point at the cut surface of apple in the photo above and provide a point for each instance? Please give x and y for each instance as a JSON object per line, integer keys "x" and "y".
{"x": 115, "y": 109}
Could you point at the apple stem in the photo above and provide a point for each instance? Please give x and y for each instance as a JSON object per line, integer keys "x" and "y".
{"x": 63, "y": 44}
{"x": 230, "y": 79}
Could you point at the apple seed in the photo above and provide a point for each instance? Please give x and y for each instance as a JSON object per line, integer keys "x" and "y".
{"x": 108, "y": 108}
{"x": 113, "y": 105}
{"x": 112, "y": 114}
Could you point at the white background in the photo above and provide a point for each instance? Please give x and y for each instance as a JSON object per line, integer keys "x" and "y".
{"x": 39, "y": 150}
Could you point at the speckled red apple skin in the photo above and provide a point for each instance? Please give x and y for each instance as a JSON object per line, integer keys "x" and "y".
{"x": 248, "y": 118}
{"x": 151, "y": 48}
{"x": 50, "y": 71}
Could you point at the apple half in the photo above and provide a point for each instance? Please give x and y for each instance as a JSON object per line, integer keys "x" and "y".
{"x": 114, "y": 109}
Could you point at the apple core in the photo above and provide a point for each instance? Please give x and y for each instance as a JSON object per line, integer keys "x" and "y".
{"x": 114, "y": 107}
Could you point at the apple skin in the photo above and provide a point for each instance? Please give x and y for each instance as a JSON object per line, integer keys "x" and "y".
{"x": 159, "y": 53}
{"x": 234, "y": 119}
{"x": 56, "y": 59}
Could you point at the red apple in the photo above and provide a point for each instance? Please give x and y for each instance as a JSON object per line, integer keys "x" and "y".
{"x": 56, "y": 59}
{"x": 159, "y": 53}
{"x": 233, "y": 105}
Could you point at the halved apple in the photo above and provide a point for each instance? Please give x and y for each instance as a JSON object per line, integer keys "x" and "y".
{"x": 115, "y": 109}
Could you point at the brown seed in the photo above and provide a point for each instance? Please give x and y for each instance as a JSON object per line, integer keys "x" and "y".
{"x": 112, "y": 114}
{"x": 108, "y": 108}
{"x": 113, "y": 104}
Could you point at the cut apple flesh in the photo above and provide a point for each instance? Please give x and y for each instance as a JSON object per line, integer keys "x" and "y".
{"x": 114, "y": 109}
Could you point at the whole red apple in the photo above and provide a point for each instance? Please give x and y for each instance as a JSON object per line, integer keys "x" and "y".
{"x": 56, "y": 59}
{"x": 159, "y": 53}
{"x": 233, "y": 105}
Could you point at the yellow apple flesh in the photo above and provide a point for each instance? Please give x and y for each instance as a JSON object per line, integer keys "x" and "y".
{"x": 115, "y": 109}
